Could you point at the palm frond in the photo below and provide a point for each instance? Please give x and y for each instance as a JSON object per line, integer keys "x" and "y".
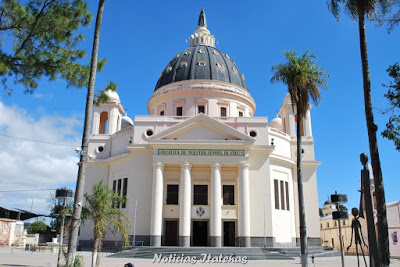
{"x": 371, "y": 9}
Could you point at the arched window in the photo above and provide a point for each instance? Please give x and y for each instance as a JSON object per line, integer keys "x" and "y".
{"x": 103, "y": 122}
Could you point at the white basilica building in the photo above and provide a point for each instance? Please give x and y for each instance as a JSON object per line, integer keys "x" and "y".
{"x": 202, "y": 169}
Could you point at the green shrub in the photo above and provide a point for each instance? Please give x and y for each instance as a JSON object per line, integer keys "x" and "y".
{"x": 37, "y": 227}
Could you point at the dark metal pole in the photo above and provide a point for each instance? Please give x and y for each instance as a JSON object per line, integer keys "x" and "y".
{"x": 60, "y": 247}
{"x": 372, "y": 243}
{"x": 339, "y": 215}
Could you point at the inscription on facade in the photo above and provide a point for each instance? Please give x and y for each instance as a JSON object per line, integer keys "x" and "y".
{"x": 200, "y": 152}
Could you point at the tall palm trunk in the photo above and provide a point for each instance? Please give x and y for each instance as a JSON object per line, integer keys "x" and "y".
{"x": 76, "y": 216}
{"x": 302, "y": 213}
{"x": 383, "y": 236}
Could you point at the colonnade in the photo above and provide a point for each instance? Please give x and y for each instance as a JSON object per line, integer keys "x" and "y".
{"x": 185, "y": 200}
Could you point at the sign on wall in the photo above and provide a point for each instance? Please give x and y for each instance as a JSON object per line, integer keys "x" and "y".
{"x": 200, "y": 152}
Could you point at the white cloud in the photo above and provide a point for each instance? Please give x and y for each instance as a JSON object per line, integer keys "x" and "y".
{"x": 26, "y": 165}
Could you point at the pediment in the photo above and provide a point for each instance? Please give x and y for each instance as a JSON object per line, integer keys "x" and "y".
{"x": 201, "y": 128}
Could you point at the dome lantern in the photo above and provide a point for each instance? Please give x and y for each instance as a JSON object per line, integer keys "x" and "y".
{"x": 202, "y": 35}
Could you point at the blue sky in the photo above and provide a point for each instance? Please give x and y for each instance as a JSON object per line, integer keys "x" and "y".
{"x": 138, "y": 39}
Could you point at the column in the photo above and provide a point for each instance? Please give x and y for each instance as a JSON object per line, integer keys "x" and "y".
{"x": 216, "y": 204}
{"x": 307, "y": 124}
{"x": 292, "y": 125}
{"x": 112, "y": 120}
{"x": 185, "y": 205}
{"x": 244, "y": 205}
{"x": 96, "y": 122}
{"x": 156, "y": 205}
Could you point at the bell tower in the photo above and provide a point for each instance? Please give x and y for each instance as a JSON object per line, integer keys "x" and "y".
{"x": 289, "y": 119}
{"x": 107, "y": 115}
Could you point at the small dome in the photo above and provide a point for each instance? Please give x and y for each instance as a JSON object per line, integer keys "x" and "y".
{"x": 112, "y": 95}
{"x": 126, "y": 122}
{"x": 328, "y": 202}
{"x": 276, "y": 123}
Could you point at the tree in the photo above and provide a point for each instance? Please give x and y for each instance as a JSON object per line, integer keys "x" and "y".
{"x": 76, "y": 216}
{"x": 38, "y": 227}
{"x": 394, "y": 19}
{"x": 303, "y": 79}
{"x": 392, "y": 131}
{"x": 359, "y": 10}
{"x": 101, "y": 209}
{"x": 38, "y": 39}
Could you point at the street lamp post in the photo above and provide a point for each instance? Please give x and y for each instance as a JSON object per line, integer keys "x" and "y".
{"x": 62, "y": 194}
{"x": 339, "y": 215}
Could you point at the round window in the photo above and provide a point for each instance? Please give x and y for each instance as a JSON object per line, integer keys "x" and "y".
{"x": 253, "y": 133}
{"x": 100, "y": 149}
{"x": 149, "y": 132}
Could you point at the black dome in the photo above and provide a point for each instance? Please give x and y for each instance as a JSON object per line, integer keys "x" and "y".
{"x": 201, "y": 62}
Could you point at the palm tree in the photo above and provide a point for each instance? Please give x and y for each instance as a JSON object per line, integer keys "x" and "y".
{"x": 359, "y": 10}
{"x": 101, "y": 208}
{"x": 76, "y": 216}
{"x": 303, "y": 79}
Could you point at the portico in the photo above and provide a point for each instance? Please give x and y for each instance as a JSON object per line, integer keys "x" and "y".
{"x": 193, "y": 203}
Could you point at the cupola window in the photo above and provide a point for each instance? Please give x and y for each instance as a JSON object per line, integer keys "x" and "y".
{"x": 215, "y": 52}
{"x": 220, "y": 65}
{"x": 234, "y": 69}
{"x": 183, "y": 64}
{"x": 179, "y": 111}
{"x": 226, "y": 55}
{"x": 169, "y": 68}
{"x": 223, "y": 111}
{"x": 188, "y": 52}
{"x": 201, "y": 51}
{"x": 200, "y": 109}
{"x": 202, "y": 63}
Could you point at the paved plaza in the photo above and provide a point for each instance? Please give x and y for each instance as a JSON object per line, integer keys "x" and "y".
{"x": 22, "y": 258}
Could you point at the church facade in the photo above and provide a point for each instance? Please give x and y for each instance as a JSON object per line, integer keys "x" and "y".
{"x": 200, "y": 169}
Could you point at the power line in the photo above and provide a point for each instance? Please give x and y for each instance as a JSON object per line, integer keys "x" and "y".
{"x": 25, "y": 190}
{"x": 37, "y": 141}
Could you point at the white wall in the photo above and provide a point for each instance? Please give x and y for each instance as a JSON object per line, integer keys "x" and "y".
{"x": 393, "y": 217}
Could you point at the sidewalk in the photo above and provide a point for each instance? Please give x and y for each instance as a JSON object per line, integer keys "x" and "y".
{"x": 22, "y": 258}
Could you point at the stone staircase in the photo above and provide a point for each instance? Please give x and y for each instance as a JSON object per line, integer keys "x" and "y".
{"x": 160, "y": 253}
